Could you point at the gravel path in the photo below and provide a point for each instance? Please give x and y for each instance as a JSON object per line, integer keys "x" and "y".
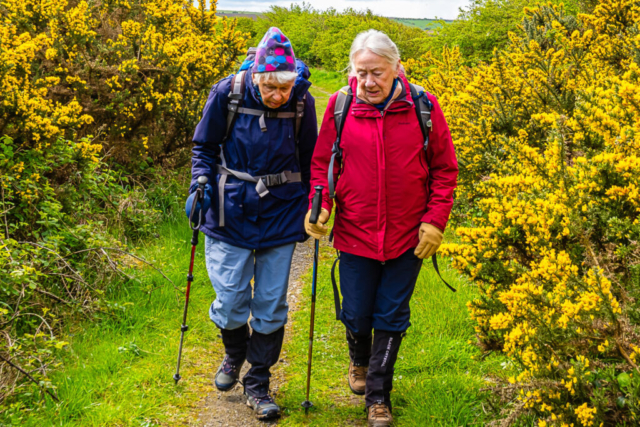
{"x": 229, "y": 408}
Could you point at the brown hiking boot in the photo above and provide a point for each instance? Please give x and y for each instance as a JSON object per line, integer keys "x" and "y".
{"x": 379, "y": 415}
{"x": 357, "y": 378}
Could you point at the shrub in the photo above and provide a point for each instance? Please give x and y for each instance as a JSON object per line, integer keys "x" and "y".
{"x": 323, "y": 38}
{"x": 57, "y": 207}
{"x": 95, "y": 96}
{"x": 133, "y": 74}
{"x": 548, "y": 210}
{"x": 484, "y": 25}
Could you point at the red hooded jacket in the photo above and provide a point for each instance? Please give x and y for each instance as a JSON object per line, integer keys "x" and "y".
{"x": 388, "y": 186}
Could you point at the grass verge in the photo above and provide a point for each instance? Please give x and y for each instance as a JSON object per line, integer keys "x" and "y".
{"x": 437, "y": 378}
{"x": 118, "y": 367}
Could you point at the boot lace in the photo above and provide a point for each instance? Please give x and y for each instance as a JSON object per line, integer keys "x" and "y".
{"x": 263, "y": 400}
{"x": 358, "y": 373}
{"x": 228, "y": 368}
{"x": 379, "y": 410}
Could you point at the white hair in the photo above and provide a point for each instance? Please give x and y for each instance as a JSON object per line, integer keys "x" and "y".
{"x": 377, "y": 42}
{"x": 282, "y": 77}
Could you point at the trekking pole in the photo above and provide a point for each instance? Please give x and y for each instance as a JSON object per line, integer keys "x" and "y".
{"x": 316, "y": 208}
{"x": 202, "y": 181}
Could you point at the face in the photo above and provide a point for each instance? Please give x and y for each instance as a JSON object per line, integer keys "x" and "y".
{"x": 275, "y": 94}
{"x": 375, "y": 76}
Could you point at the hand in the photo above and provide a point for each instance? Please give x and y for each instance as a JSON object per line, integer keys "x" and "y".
{"x": 430, "y": 240}
{"x": 320, "y": 229}
{"x": 203, "y": 204}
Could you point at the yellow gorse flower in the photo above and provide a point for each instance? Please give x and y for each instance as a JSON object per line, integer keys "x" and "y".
{"x": 547, "y": 136}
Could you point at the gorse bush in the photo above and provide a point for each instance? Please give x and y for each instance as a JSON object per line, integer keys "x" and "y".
{"x": 133, "y": 74}
{"x": 548, "y": 212}
{"x": 94, "y": 97}
{"x": 323, "y": 38}
{"x": 484, "y": 25}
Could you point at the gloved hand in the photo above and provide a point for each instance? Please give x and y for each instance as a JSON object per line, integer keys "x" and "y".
{"x": 320, "y": 229}
{"x": 430, "y": 240}
{"x": 203, "y": 204}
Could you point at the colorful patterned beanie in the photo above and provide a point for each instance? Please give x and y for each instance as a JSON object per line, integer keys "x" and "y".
{"x": 274, "y": 53}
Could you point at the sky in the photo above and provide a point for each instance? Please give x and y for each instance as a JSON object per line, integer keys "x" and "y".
{"x": 443, "y": 9}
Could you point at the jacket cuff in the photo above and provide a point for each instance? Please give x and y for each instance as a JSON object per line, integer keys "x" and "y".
{"x": 429, "y": 218}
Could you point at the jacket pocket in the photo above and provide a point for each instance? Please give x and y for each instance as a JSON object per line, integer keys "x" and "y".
{"x": 282, "y": 211}
{"x": 233, "y": 209}
{"x": 287, "y": 191}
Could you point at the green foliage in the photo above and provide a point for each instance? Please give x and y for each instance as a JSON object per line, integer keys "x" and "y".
{"x": 116, "y": 368}
{"x": 65, "y": 216}
{"x": 423, "y": 24}
{"x": 484, "y": 26}
{"x": 323, "y": 38}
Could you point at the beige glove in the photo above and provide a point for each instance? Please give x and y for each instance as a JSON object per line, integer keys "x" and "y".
{"x": 320, "y": 229}
{"x": 430, "y": 240}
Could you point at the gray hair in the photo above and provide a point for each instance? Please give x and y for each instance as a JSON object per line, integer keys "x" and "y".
{"x": 282, "y": 77}
{"x": 377, "y": 42}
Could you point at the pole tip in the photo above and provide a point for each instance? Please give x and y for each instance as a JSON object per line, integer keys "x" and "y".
{"x": 306, "y": 405}
{"x": 202, "y": 180}
{"x": 176, "y": 378}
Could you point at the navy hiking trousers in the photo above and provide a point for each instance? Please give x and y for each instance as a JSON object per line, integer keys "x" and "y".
{"x": 376, "y": 295}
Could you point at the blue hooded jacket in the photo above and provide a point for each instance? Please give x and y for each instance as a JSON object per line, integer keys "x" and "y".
{"x": 253, "y": 222}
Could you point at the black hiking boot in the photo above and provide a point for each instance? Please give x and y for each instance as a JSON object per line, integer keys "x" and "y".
{"x": 235, "y": 345}
{"x": 227, "y": 375}
{"x": 264, "y": 407}
{"x": 384, "y": 354}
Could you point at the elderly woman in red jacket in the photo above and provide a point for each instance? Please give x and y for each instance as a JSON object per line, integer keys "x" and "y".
{"x": 393, "y": 200}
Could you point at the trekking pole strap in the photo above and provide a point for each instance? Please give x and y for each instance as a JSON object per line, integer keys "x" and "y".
{"x": 332, "y": 187}
{"x": 435, "y": 265}
{"x": 336, "y": 292}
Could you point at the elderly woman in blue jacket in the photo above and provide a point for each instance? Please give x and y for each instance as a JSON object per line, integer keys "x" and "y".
{"x": 255, "y": 142}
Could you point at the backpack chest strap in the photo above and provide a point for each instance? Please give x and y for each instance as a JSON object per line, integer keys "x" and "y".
{"x": 262, "y": 181}
{"x": 268, "y": 114}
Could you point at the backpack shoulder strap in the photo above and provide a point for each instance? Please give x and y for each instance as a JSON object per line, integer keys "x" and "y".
{"x": 423, "y": 111}
{"x": 299, "y": 115}
{"x": 236, "y": 95}
{"x": 298, "y": 124}
{"x": 343, "y": 102}
{"x": 340, "y": 111}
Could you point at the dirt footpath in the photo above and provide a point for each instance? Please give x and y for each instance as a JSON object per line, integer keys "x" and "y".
{"x": 229, "y": 408}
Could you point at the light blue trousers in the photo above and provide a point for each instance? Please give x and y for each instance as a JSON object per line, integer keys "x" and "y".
{"x": 231, "y": 269}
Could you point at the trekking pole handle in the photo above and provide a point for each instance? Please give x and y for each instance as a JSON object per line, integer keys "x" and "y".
{"x": 316, "y": 206}
{"x": 202, "y": 182}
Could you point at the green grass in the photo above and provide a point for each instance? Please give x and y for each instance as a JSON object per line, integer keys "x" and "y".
{"x": 118, "y": 367}
{"x": 437, "y": 376}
